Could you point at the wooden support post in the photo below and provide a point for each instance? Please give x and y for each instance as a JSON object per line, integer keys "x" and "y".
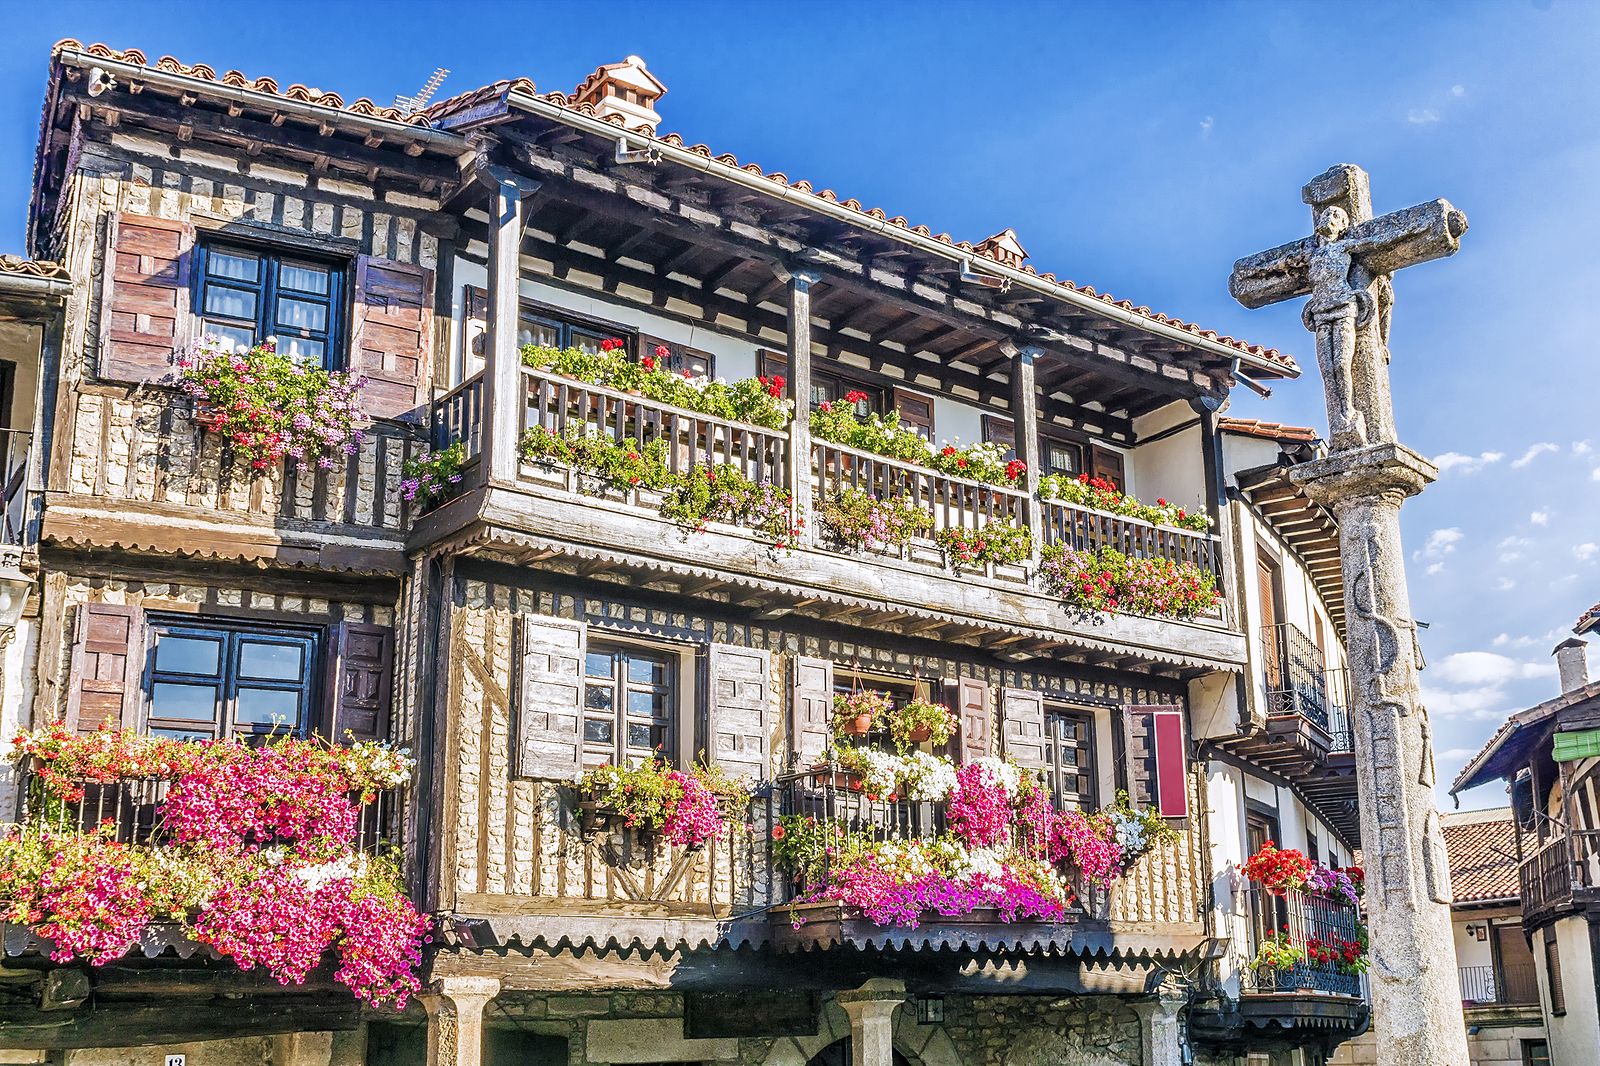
{"x": 1025, "y": 430}
{"x": 800, "y": 282}
{"x": 502, "y": 371}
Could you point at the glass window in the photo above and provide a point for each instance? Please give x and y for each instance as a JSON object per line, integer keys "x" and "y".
{"x": 247, "y": 296}
{"x": 220, "y": 679}
{"x": 547, "y": 331}
{"x": 629, "y": 697}
{"x": 1069, "y": 758}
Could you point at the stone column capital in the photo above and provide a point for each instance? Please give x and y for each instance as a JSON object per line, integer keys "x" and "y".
{"x": 871, "y": 1010}
{"x": 455, "y": 1004}
{"x": 459, "y": 987}
{"x": 1378, "y": 470}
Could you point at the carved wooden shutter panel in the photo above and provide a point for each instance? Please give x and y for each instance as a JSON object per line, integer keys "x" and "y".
{"x": 970, "y": 700}
{"x": 549, "y": 726}
{"x": 1158, "y": 758}
{"x": 739, "y": 717}
{"x": 360, "y": 685}
{"x": 107, "y": 665}
{"x": 144, "y": 317}
{"x": 811, "y": 706}
{"x": 1107, "y": 464}
{"x": 1022, "y": 727}
{"x": 392, "y": 336}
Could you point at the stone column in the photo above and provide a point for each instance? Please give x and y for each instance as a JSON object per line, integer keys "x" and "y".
{"x": 799, "y": 355}
{"x": 871, "y": 1010}
{"x": 502, "y": 368}
{"x": 1160, "y": 1031}
{"x": 1416, "y": 1000}
{"x": 455, "y": 1018}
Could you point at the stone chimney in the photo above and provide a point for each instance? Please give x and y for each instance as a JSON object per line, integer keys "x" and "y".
{"x": 625, "y": 89}
{"x": 1572, "y": 660}
{"x": 1003, "y": 248}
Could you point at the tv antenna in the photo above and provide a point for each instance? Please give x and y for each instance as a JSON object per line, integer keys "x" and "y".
{"x": 412, "y": 104}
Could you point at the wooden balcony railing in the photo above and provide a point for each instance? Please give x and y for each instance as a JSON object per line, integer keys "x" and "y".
{"x": 1566, "y": 865}
{"x": 1304, "y": 917}
{"x": 458, "y": 417}
{"x": 1085, "y": 529}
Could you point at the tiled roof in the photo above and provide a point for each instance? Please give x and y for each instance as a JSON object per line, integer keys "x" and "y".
{"x": 297, "y": 92}
{"x": 1483, "y": 855}
{"x": 1251, "y": 427}
{"x": 34, "y": 268}
{"x": 1588, "y": 620}
{"x": 1482, "y": 768}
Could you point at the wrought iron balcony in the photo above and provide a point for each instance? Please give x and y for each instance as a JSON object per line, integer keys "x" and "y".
{"x": 1301, "y": 919}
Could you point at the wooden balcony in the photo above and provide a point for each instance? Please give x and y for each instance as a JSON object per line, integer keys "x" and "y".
{"x": 1560, "y": 874}
{"x": 604, "y": 525}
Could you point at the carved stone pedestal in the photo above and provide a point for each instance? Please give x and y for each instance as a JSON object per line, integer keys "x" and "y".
{"x": 871, "y": 1009}
{"x": 1415, "y": 995}
{"x": 1160, "y": 1030}
{"x": 455, "y": 1018}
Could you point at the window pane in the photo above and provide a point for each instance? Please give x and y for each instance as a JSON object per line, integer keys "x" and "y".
{"x": 530, "y": 331}
{"x": 597, "y": 730}
{"x": 267, "y": 707}
{"x": 647, "y": 671}
{"x": 598, "y": 664}
{"x": 230, "y": 303}
{"x": 647, "y": 704}
{"x": 184, "y": 734}
{"x": 190, "y": 703}
{"x": 302, "y": 314}
{"x": 231, "y": 336}
{"x": 598, "y": 698}
{"x": 302, "y": 349}
{"x": 642, "y": 736}
{"x": 188, "y": 655}
{"x": 586, "y": 342}
{"x": 303, "y": 278}
{"x": 277, "y": 661}
{"x": 233, "y": 265}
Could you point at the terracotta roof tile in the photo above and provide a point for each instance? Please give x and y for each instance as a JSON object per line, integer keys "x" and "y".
{"x": 1252, "y": 427}
{"x": 35, "y": 268}
{"x": 1588, "y": 620}
{"x": 1483, "y": 855}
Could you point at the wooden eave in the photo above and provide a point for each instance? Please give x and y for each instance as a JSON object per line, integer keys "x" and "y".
{"x": 1309, "y": 529}
{"x": 1296, "y": 749}
{"x": 596, "y": 540}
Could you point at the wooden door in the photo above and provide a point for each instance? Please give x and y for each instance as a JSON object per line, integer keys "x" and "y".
{"x": 1271, "y": 615}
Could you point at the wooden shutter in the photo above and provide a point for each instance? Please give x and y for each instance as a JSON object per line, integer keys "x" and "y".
{"x": 1107, "y": 464}
{"x": 144, "y": 319}
{"x": 392, "y": 335}
{"x": 360, "y": 683}
{"x": 1158, "y": 758}
{"x": 680, "y": 357}
{"x": 549, "y": 726}
{"x": 739, "y": 720}
{"x": 970, "y": 699}
{"x": 1001, "y": 431}
{"x": 811, "y": 706}
{"x": 474, "y": 329}
{"x": 107, "y": 664}
{"x": 915, "y": 409}
{"x": 1022, "y": 727}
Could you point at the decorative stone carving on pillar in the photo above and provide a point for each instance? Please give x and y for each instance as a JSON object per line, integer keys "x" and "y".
{"x": 799, "y": 357}
{"x": 455, "y": 1018}
{"x": 1345, "y": 269}
{"x": 1160, "y": 1024}
{"x": 871, "y": 1010}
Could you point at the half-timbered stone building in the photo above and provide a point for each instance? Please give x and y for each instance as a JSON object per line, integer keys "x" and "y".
{"x": 534, "y": 624}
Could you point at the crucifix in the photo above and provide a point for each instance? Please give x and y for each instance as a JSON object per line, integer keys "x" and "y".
{"x": 1344, "y": 269}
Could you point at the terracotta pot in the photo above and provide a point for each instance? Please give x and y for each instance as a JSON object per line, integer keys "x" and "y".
{"x": 920, "y": 734}
{"x": 859, "y": 726}
{"x": 839, "y": 779}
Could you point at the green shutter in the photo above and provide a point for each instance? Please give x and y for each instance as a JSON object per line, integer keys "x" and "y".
{"x": 1574, "y": 746}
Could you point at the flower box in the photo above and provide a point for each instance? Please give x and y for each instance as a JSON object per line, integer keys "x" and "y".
{"x": 831, "y": 777}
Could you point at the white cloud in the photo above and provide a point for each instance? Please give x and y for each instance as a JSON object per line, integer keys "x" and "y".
{"x": 1435, "y": 568}
{"x": 1533, "y": 452}
{"x": 1467, "y": 464}
{"x": 1595, "y": 474}
{"x": 1205, "y": 126}
{"x": 1481, "y": 703}
{"x": 1442, "y": 542}
{"x": 1458, "y": 90}
{"x": 1504, "y": 584}
{"x": 1511, "y": 548}
{"x": 1540, "y": 518}
{"x": 1422, "y": 116}
{"x": 1581, "y": 447}
{"x": 1586, "y": 551}
{"x": 1487, "y": 669}
{"x": 1502, "y": 640}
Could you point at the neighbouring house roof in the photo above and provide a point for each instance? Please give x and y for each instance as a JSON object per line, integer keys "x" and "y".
{"x": 1504, "y": 753}
{"x": 1483, "y": 855}
{"x": 33, "y": 268}
{"x": 1588, "y": 620}
{"x": 1251, "y": 427}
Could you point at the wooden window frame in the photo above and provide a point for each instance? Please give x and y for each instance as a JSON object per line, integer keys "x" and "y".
{"x": 847, "y": 680}
{"x": 621, "y": 652}
{"x": 232, "y": 634}
{"x": 268, "y": 290}
{"x": 1089, "y": 769}
{"x": 1527, "y": 1047}
{"x": 1552, "y": 973}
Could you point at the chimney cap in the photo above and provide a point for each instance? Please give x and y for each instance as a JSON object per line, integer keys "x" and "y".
{"x": 1570, "y": 642}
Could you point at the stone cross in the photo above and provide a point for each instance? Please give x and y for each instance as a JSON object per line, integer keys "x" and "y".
{"x": 1344, "y": 268}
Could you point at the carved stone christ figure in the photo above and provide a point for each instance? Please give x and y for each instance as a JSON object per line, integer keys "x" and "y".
{"x": 1338, "y": 307}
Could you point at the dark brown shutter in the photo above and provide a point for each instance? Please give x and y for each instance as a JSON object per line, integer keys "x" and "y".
{"x": 970, "y": 699}
{"x": 549, "y": 727}
{"x": 107, "y": 664}
{"x": 680, "y": 357}
{"x": 1001, "y": 431}
{"x": 1022, "y": 727}
{"x": 915, "y": 410}
{"x": 145, "y": 320}
{"x": 360, "y": 685}
{"x": 1157, "y": 758}
{"x": 392, "y": 335}
{"x": 811, "y": 707}
{"x": 1107, "y": 464}
{"x": 739, "y": 717}
{"x": 474, "y": 329}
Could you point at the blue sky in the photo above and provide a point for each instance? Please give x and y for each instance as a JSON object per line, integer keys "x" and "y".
{"x": 1138, "y": 148}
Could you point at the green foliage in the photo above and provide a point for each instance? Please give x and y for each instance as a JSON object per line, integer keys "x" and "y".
{"x": 1086, "y": 491}
{"x": 855, "y": 519}
{"x": 757, "y": 401}
{"x": 1001, "y": 541}
{"x": 865, "y": 703}
{"x": 918, "y": 714}
{"x": 1109, "y": 581}
{"x": 879, "y": 434}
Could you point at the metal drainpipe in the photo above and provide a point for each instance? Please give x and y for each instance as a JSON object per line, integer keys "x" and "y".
{"x": 862, "y": 221}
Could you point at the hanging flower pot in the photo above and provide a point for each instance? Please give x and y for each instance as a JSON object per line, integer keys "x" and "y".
{"x": 859, "y": 713}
